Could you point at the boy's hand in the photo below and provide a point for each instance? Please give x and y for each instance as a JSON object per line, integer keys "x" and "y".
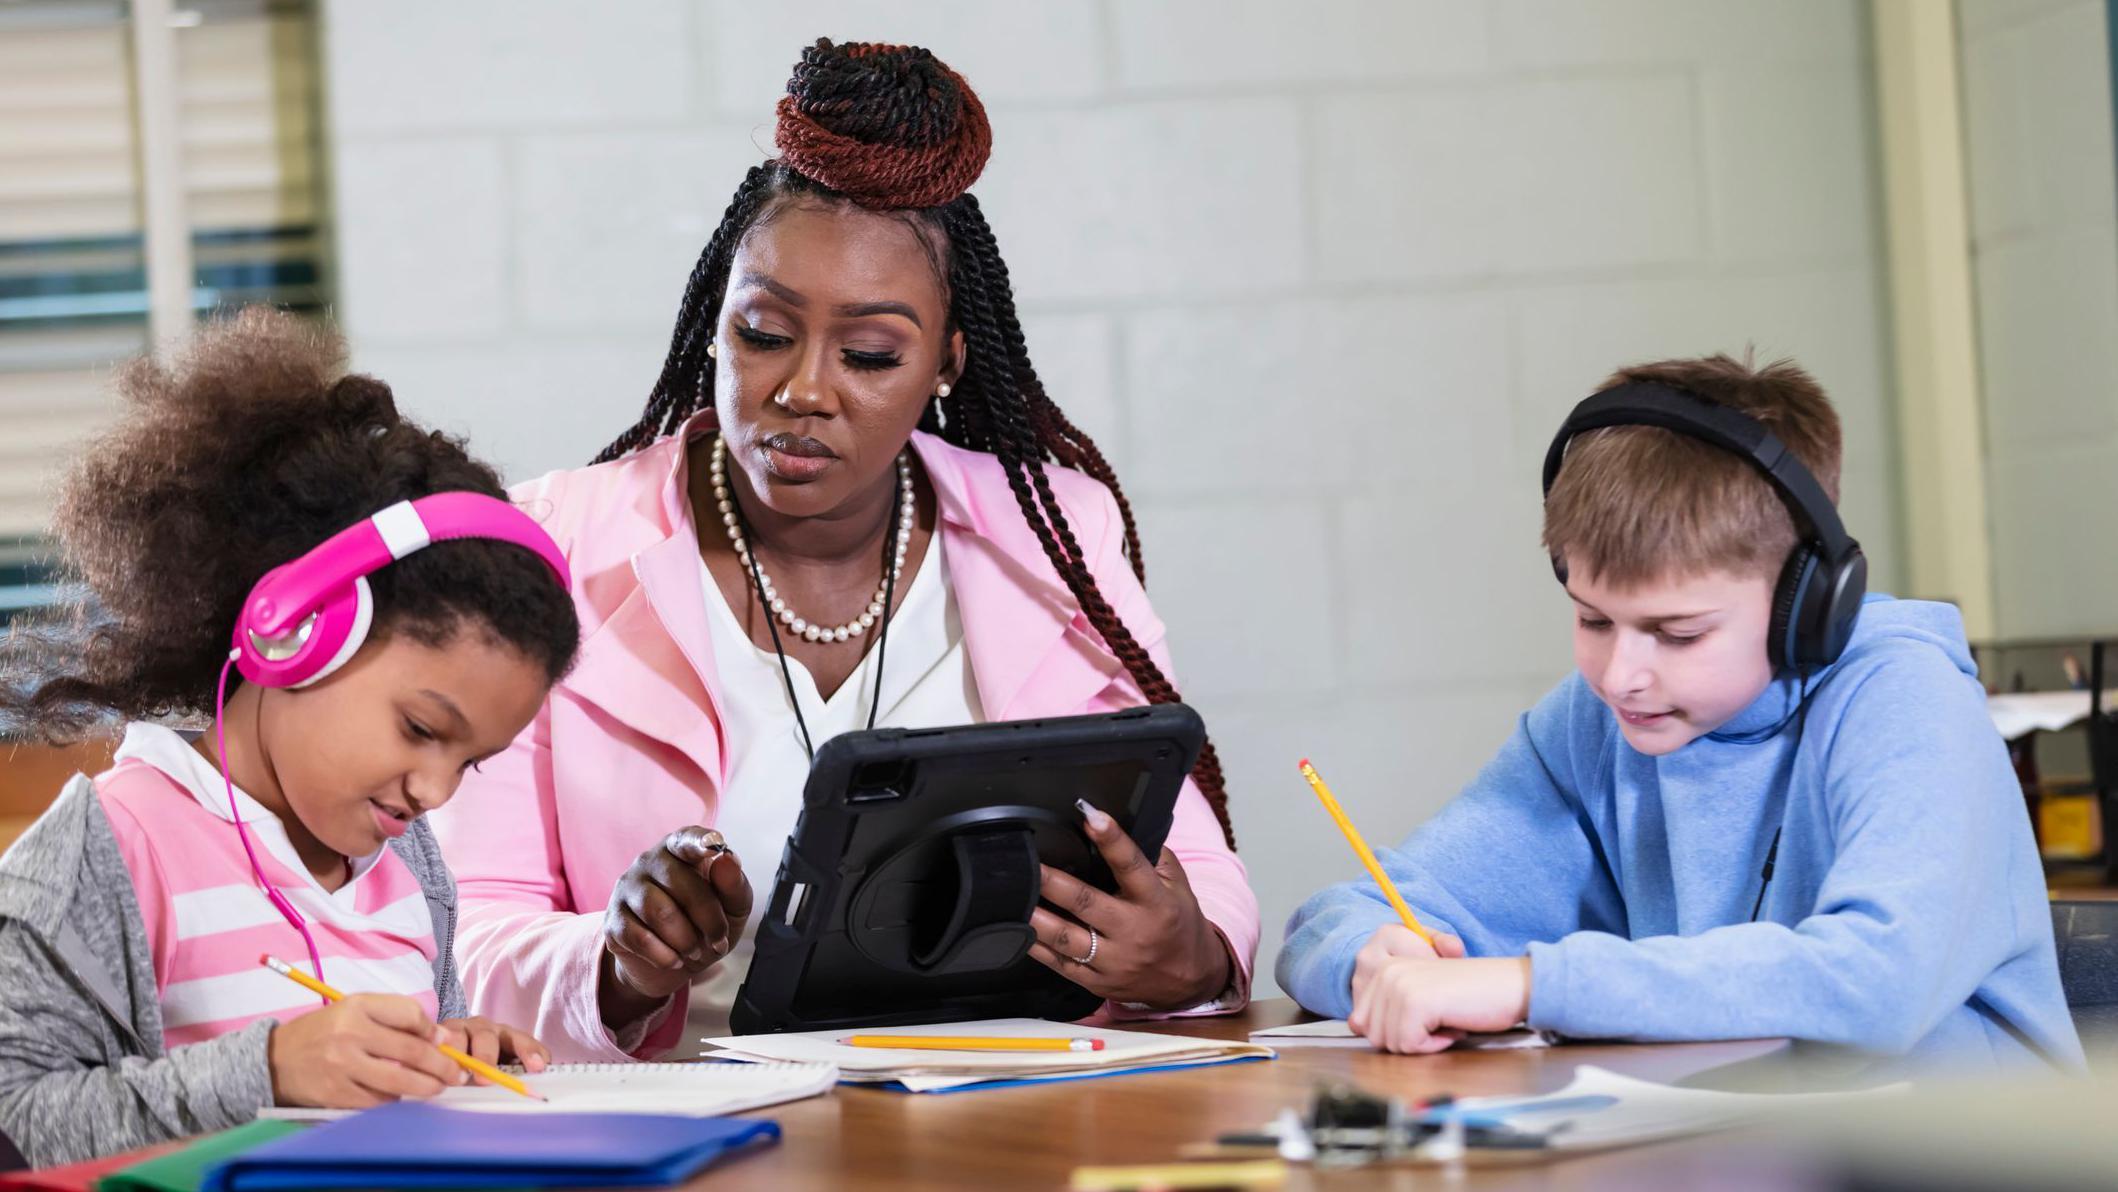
{"x": 493, "y": 1042}
{"x": 1389, "y": 943}
{"x": 363, "y": 1051}
{"x": 1418, "y": 1004}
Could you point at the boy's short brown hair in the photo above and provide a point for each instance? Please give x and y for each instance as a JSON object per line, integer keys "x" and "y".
{"x": 1635, "y": 504}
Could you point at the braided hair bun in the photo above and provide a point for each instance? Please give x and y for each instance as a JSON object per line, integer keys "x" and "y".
{"x": 889, "y": 127}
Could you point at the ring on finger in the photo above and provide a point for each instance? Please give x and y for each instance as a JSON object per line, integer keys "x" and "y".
{"x": 1085, "y": 961}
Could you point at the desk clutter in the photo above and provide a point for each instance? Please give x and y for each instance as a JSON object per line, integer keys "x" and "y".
{"x": 2057, "y": 714}
{"x": 1343, "y": 1112}
{"x": 1597, "y": 1110}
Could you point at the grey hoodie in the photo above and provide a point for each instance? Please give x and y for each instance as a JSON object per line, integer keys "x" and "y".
{"x": 83, "y": 1071}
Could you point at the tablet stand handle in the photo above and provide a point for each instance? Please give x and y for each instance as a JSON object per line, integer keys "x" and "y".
{"x": 997, "y": 883}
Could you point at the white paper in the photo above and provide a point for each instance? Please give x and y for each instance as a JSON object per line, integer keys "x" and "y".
{"x": 2016, "y": 713}
{"x": 925, "y": 1071}
{"x": 1642, "y": 1111}
{"x": 1333, "y": 1032}
{"x": 682, "y": 1090}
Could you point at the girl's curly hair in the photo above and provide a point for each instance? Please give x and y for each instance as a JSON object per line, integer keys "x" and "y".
{"x": 245, "y": 453}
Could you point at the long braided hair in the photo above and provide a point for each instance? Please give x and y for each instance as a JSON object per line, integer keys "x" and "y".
{"x": 892, "y": 129}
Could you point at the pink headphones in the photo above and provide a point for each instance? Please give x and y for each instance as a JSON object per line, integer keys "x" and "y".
{"x": 304, "y": 619}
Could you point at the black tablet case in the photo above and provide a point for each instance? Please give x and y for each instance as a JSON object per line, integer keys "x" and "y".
{"x": 905, "y": 893}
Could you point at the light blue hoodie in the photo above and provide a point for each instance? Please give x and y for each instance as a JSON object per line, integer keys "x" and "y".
{"x": 1906, "y": 913}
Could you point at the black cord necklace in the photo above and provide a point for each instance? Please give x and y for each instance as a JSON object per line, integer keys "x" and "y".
{"x": 882, "y": 635}
{"x": 1772, "y": 854}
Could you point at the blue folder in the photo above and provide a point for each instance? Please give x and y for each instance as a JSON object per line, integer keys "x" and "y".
{"x": 414, "y": 1145}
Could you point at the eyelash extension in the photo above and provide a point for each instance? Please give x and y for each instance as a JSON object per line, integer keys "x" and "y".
{"x": 865, "y": 361}
{"x": 762, "y": 340}
{"x": 872, "y": 360}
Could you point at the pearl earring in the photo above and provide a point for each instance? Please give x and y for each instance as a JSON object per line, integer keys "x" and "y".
{"x": 942, "y": 390}
{"x": 713, "y": 350}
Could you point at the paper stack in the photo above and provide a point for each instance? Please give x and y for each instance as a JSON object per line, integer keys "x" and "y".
{"x": 941, "y": 1071}
{"x": 1333, "y": 1032}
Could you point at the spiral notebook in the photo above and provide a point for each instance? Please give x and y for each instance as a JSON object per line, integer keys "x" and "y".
{"x": 685, "y": 1090}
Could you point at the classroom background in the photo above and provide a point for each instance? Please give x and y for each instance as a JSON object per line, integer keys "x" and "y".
{"x": 1321, "y": 278}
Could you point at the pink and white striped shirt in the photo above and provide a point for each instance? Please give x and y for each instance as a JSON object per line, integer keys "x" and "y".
{"x": 207, "y": 921}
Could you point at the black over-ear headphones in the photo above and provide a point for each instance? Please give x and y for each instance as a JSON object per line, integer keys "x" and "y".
{"x": 1818, "y": 599}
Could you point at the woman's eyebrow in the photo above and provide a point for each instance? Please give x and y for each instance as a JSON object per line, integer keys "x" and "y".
{"x": 858, "y": 309}
{"x": 772, "y": 286}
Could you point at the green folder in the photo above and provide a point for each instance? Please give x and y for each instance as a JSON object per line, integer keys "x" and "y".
{"x": 184, "y": 1170}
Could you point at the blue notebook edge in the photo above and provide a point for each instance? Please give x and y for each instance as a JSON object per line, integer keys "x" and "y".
{"x": 285, "y": 1163}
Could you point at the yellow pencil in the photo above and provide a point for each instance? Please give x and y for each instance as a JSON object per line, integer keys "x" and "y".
{"x": 1241, "y": 1173}
{"x": 1360, "y": 849}
{"x": 972, "y": 1043}
{"x": 471, "y": 1063}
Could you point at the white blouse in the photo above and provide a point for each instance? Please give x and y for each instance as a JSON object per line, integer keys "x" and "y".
{"x": 926, "y": 683}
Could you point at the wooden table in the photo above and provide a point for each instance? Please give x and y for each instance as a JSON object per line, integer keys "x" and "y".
{"x": 1033, "y": 1137}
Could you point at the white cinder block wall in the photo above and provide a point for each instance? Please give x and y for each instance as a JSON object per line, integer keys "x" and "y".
{"x": 2037, "y": 106}
{"x": 1320, "y": 277}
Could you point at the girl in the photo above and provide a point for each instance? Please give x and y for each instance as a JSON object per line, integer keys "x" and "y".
{"x": 133, "y": 914}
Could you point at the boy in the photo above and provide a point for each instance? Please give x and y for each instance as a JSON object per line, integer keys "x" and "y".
{"x": 1727, "y": 823}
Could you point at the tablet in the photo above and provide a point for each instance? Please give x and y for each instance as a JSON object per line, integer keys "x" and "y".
{"x": 904, "y": 895}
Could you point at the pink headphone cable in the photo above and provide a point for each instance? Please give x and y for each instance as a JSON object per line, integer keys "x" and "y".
{"x": 220, "y": 736}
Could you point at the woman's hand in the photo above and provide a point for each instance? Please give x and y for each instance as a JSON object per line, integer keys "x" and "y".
{"x": 1152, "y": 944}
{"x": 673, "y": 915}
{"x": 493, "y": 1042}
{"x": 363, "y": 1050}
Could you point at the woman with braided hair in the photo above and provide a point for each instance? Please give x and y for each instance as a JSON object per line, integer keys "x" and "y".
{"x": 849, "y": 502}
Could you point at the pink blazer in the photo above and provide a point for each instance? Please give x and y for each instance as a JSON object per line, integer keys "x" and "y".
{"x": 629, "y": 746}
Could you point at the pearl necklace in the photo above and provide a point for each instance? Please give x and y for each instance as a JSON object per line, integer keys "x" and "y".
{"x": 798, "y": 625}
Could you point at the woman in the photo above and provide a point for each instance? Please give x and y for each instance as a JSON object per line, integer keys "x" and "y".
{"x": 846, "y": 520}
